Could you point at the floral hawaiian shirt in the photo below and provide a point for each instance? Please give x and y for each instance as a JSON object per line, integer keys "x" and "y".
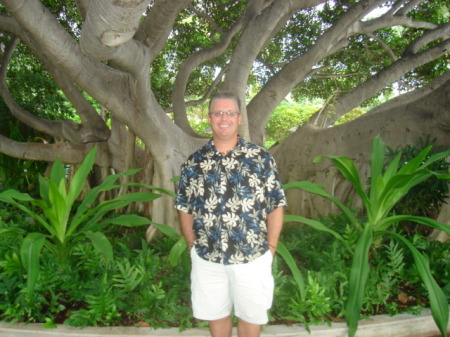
{"x": 229, "y": 198}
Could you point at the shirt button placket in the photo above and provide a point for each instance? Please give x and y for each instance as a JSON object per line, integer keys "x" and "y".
{"x": 222, "y": 207}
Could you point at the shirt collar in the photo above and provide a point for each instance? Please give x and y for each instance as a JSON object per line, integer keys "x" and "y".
{"x": 211, "y": 147}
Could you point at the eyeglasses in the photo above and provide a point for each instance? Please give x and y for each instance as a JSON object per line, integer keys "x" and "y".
{"x": 229, "y": 113}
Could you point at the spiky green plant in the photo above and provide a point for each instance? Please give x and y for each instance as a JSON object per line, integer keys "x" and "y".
{"x": 386, "y": 188}
{"x": 64, "y": 222}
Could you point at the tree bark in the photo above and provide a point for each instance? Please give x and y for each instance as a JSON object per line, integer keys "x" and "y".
{"x": 403, "y": 123}
{"x": 111, "y": 58}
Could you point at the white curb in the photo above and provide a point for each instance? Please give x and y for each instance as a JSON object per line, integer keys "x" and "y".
{"x": 403, "y": 325}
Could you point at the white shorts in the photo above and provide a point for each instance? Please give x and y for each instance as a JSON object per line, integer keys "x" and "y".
{"x": 216, "y": 288}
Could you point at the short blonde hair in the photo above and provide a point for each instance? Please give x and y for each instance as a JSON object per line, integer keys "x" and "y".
{"x": 227, "y": 95}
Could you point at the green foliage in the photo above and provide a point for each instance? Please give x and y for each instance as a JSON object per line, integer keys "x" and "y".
{"x": 35, "y": 89}
{"x": 314, "y": 307}
{"x": 326, "y": 262}
{"x": 143, "y": 285}
{"x": 202, "y": 128}
{"x": 286, "y": 118}
{"x": 190, "y": 33}
{"x": 427, "y": 197}
{"x": 387, "y": 187}
{"x": 384, "y": 280}
{"x": 139, "y": 285}
{"x": 101, "y": 307}
{"x": 17, "y": 173}
{"x": 61, "y": 226}
{"x": 349, "y": 116}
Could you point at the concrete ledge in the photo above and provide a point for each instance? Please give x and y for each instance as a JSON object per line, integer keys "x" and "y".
{"x": 404, "y": 325}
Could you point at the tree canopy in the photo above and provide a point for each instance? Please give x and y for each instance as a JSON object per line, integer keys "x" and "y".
{"x": 106, "y": 73}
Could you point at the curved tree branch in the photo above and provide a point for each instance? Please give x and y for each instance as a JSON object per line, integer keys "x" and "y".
{"x": 385, "y": 21}
{"x": 66, "y": 55}
{"x": 412, "y": 96}
{"x": 377, "y": 82}
{"x": 188, "y": 65}
{"x": 442, "y": 32}
{"x": 108, "y": 31}
{"x": 9, "y": 25}
{"x": 297, "y": 69}
{"x": 57, "y": 129}
{"x": 208, "y": 93}
{"x": 83, "y": 6}
{"x": 408, "y": 5}
{"x": 383, "y": 45}
{"x": 257, "y": 33}
{"x": 155, "y": 29}
{"x": 93, "y": 127}
{"x": 215, "y": 27}
{"x": 68, "y": 152}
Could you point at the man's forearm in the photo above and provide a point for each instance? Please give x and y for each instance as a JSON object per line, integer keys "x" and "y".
{"x": 186, "y": 225}
{"x": 274, "y": 227}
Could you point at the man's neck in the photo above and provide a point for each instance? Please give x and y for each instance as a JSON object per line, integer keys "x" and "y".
{"x": 225, "y": 146}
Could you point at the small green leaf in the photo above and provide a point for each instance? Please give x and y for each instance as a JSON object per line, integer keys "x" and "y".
{"x": 49, "y": 324}
{"x": 43, "y": 189}
{"x": 138, "y": 197}
{"x": 8, "y": 195}
{"x": 348, "y": 169}
{"x": 413, "y": 218}
{"x": 167, "y": 230}
{"x": 314, "y": 224}
{"x": 393, "y": 167}
{"x": 101, "y": 244}
{"x": 5, "y": 231}
{"x": 129, "y": 220}
{"x": 57, "y": 173}
{"x": 30, "y": 252}
{"x": 320, "y": 190}
{"x": 177, "y": 250}
{"x": 415, "y": 163}
{"x": 80, "y": 176}
{"x": 290, "y": 261}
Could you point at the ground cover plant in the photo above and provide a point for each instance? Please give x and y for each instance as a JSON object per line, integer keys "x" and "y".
{"x": 141, "y": 287}
{"x": 138, "y": 287}
{"x": 148, "y": 284}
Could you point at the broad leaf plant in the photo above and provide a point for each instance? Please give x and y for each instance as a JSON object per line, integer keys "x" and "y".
{"x": 64, "y": 223}
{"x": 387, "y": 187}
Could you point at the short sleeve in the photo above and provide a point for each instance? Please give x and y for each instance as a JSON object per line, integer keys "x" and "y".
{"x": 275, "y": 196}
{"x": 182, "y": 201}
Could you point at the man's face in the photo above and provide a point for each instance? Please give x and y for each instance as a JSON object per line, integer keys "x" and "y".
{"x": 225, "y": 125}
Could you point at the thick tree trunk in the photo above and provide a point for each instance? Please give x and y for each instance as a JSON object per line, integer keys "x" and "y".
{"x": 112, "y": 61}
{"x": 403, "y": 124}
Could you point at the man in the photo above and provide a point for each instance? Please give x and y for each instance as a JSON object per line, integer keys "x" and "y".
{"x": 230, "y": 205}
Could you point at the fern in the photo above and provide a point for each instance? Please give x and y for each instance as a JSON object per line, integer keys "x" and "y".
{"x": 129, "y": 276}
{"x": 101, "y": 308}
{"x": 395, "y": 258}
